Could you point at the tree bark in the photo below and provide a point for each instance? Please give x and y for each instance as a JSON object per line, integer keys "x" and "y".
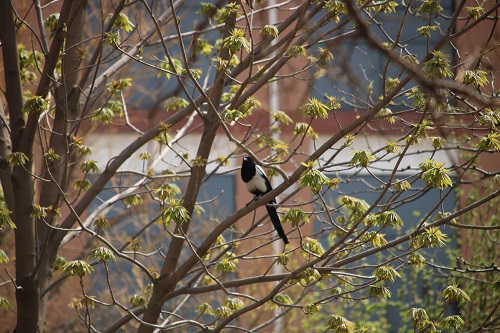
{"x": 21, "y": 181}
{"x": 67, "y": 95}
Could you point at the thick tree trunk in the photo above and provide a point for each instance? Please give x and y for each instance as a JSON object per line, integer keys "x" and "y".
{"x": 21, "y": 182}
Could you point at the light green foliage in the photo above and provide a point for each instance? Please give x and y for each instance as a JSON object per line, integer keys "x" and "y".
{"x": 38, "y": 212}
{"x": 402, "y": 185}
{"x": 431, "y": 7}
{"x": 36, "y": 104}
{"x": 348, "y": 140}
{"x": 59, "y": 263}
{"x": 51, "y": 155}
{"x": 386, "y": 273}
{"x": 119, "y": 85}
{"x": 164, "y": 136}
{"x": 491, "y": 118}
{"x": 362, "y": 158}
{"x": 227, "y": 265}
{"x": 339, "y": 324}
{"x": 77, "y": 142}
{"x": 222, "y": 160}
{"x": 5, "y": 218}
{"x": 295, "y": 216}
{"x": 431, "y": 237}
{"x": 3, "y": 257}
{"x": 297, "y": 51}
{"x": 269, "y": 30}
{"x": 203, "y": 46}
{"x": 89, "y": 166}
{"x": 232, "y": 115}
{"x": 489, "y": 142}
{"x": 315, "y": 109}
{"x": 169, "y": 69}
{"x": 224, "y": 64}
{"x": 112, "y": 39}
{"x": 280, "y": 147}
{"x": 280, "y": 300}
{"x": 4, "y": 303}
{"x": 228, "y": 95}
{"x": 133, "y": 200}
{"x": 51, "y": 22}
{"x": 375, "y": 238}
{"x": 333, "y": 103}
{"x": 311, "y": 245}
{"x": 386, "y": 113}
{"x": 439, "y": 66}
{"x": 282, "y": 117}
{"x": 322, "y": 60}
{"x": 282, "y": 259}
{"x": 166, "y": 191}
{"x": 419, "y": 132}
{"x": 198, "y": 162}
{"x": 82, "y": 184}
{"x": 416, "y": 260}
{"x": 114, "y": 108}
{"x": 418, "y": 314}
{"x": 419, "y": 99}
{"x": 309, "y": 276}
{"x": 102, "y": 254}
{"x": 101, "y": 222}
{"x": 383, "y": 6}
{"x": 454, "y": 294}
{"x": 236, "y": 41}
{"x": 175, "y": 103}
{"x": 452, "y": 322}
{"x": 475, "y": 77}
{"x": 77, "y": 267}
{"x": 207, "y": 280}
{"x": 304, "y": 129}
{"x": 474, "y": 12}
{"x": 311, "y": 308}
{"x": 234, "y": 303}
{"x": 391, "y": 83}
{"x": 205, "y": 308}
{"x": 223, "y": 312}
{"x": 146, "y": 156}
{"x": 207, "y": 9}
{"x": 138, "y": 301}
{"x": 223, "y": 13}
{"x": 426, "y": 30}
{"x": 29, "y": 62}
{"x": 337, "y": 8}
{"x": 250, "y": 104}
{"x": 437, "y": 142}
{"x": 435, "y": 175}
{"x": 354, "y": 207}
{"x": 379, "y": 292}
{"x": 122, "y": 22}
{"x": 135, "y": 244}
{"x": 175, "y": 212}
{"x": 313, "y": 178}
{"x": 388, "y": 219}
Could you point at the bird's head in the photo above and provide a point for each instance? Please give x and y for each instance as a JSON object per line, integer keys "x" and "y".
{"x": 247, "y": 160}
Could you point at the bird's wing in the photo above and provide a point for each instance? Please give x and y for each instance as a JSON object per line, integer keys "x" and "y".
{"x": 263, "y": 174}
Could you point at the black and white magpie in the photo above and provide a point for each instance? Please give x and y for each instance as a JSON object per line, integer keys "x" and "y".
{"x": 258, "y": 184}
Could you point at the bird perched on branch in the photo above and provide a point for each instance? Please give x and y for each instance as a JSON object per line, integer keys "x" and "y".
{"x": 258, "y": 184}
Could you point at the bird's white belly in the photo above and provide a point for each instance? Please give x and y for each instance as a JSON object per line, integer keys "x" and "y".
{"x": 256, "y": 184}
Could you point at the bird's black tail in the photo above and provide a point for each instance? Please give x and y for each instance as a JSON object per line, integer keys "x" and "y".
{"x": 271, "y": 210}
